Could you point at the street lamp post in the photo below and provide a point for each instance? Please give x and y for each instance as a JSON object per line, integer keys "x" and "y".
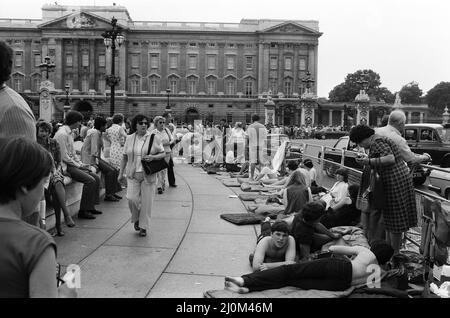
{"x": 47, "y": 66}
{"x": 112, "y": 38}
{"x": 66, "y": 104}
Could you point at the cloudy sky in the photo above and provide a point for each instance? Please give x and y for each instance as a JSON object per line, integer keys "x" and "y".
{"x": 402, "y": 40}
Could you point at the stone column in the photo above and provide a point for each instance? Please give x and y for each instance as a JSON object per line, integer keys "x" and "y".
{"x": 221, "y": 67}
{"x": 75, "y": 67}
{"x": 421, "y": 117}
{"x": 342, "y": 118}
{"x": 240, "y": 61}
{"x": 183, "y": 67}
{"x": 330, "y": 119}
{"x": 261, "y": 66}
{"x": 202, "y": 67}
{"x": 122, "y": 71}
{"x": 29, "y": 64}
{"x": 265, "y": 73}
{"x": 409, "y": 117}
{"x": 302, "y": 119}
{"x": 144, "y": 66}
{"x": 92, "y": 64}
{"x": 280, "y": 67}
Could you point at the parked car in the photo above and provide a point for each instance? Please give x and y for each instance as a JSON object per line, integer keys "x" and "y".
{"x": 433, "y": 139}
{"x": 350, "y": 150}
{"x": 440, "y": 180}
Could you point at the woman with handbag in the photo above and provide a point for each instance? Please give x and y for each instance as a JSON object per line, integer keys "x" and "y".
{"x": 391, "y": 185}
{"x": 166, "y": 137}
{"x": 141, "y": 187}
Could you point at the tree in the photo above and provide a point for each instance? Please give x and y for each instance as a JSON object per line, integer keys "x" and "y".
{"x": 439, "y": 96}
{"x": 411, "y": 93}
{"x": 347, "y": 91}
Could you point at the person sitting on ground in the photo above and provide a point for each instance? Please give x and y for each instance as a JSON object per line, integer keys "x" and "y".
{"x": 28, "y": 253}
{"x": 339, "y": 190}
{"x": 275, "y": 249}
{"x": 309, "y": 166}
{"x": 56, "y": 189}
{"x": 345, "y": 212}
{"x": 334, "y": 273}
{"x": 309, "y": 234}
{"x": 291, "y": 167}
{"x": 296, "y": 194}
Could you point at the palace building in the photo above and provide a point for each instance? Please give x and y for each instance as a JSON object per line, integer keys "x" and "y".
{"x": 213, "y": 70}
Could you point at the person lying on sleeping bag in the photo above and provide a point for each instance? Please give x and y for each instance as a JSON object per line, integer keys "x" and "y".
{"x": 309, "y": 234}
{"x": 275, "y": 249}
{"x": 334, "y": 273}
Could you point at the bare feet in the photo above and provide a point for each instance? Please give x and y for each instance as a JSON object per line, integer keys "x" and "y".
{"x": 235, "y": 288}
{"x": 236, "y": 280}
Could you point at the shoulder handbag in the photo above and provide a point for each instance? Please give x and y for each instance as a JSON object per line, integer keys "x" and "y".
{"x": 154, "y": 166}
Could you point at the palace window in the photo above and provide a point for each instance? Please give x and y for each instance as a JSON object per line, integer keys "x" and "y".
{"x": 154, "y": 61}
{"x": 211, "y": 86}
{"x": 18, "y": 59}
{"x": 154, "y": 85}
{"x": 192, "y": 62}
{"x": 18, "y": 83}
{"x": 85, "y": 59}
{"x": 288, "y": 87}
{"x": 173, "y": 85}
{"x": 192, "y": 85}
{"x": 302, "y": 64}
{"x": 69, "y": 80}
{"x": 230, "y": 87}
{"x": 211, "y": 62}
{"x": 69, "y": 59}
{"x": 173, "y": 60}
{"x": 101, "y": 83}
{"x": 273, "y": 62}
{"x": 212, "y": 44}
{"x": 248, "y": 118}
{"x": 102, "y": 60}
{"x": 273, "y": 85}
{"x": 37, "y": 59}
{"x": 248, "y": 88}
{"x": 85, "y": 84}
{"x": 36, "y": 83}
{"x": 230, "y": 62}
{"x": 288, "y": 63}
{"x": 135, "y": 85}
{"x": 249, "y": 62}
{"x": 229, "y": 117}
{"x": 135, "y": 59}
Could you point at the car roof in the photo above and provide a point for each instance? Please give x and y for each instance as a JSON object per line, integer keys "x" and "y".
{"x": 424, "y": 125}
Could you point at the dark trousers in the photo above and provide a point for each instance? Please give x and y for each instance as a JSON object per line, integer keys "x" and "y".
{"x": 111, "y": 174}
{"x": 323, "y": 274}
{"x": 91, "y": 187}
{"x": 170, "y": 173}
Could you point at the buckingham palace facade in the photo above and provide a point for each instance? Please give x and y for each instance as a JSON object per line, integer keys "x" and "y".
{"x": 213, "y": 70}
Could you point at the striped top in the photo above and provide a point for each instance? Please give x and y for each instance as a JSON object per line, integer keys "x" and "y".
{"x": 16, "y": 117}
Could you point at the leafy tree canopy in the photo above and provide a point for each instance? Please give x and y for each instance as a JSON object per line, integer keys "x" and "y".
{"x": 411, "y": 93}
{"x": 347, "y": 91}
{"x": 439, "y": 96}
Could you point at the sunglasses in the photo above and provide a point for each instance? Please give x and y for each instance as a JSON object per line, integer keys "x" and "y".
{"x": 161, "y": 122}
{"x": 143, "y": 123}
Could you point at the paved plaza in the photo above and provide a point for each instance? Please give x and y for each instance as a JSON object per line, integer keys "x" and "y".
{"x": 188, "y": 250}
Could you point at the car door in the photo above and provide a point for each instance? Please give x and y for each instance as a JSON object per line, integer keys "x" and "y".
{"x": 350, "y": 155}
{"x": 335, "y": 153}
{"x": 411, "y": 137}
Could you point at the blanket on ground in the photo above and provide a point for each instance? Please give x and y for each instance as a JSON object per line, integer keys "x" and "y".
{"x": 251, "y": 196}
{"x": 254, "y": 188}
{"x": 243, "y": 218}
{"x": 231, "y": 183}
{"x": 265, "y": 209}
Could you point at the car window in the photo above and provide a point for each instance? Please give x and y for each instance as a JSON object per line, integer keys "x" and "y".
{"x": 427, "y": 134}
{"x": 411, "y": 134}
{"x": 341, "y": 144}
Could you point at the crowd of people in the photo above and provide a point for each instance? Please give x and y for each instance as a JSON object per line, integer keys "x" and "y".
{"x": 37, "y": 157}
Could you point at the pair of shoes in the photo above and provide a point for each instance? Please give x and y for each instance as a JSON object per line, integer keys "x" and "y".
{"x": 173, "y": 185}
{"x": 136, "y": 226}
{"x": 111, "y": 198}
{"x": 69, "y": 221}
{"x": 85, "y": 215}
{"x": 143, "y": 232}
{"x": 160, "y": 191}
{"x": 95, "y": 211}
{"x": 58, "y": 232}
{"x": 117, "y": 196}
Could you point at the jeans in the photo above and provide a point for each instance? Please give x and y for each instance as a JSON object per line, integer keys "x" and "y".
{"x": 323, "y": 274}
{"x": 91, "y": 187}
